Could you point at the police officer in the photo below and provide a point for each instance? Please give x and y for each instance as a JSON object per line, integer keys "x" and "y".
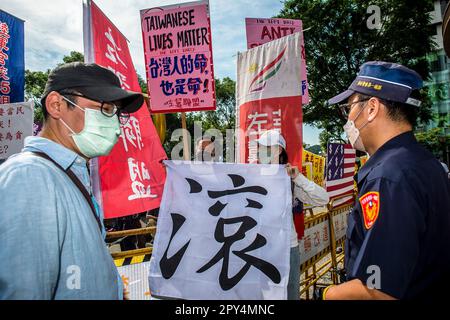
{"x": 398, "y": 236}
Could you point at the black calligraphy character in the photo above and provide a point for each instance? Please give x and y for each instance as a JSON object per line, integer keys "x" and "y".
{"x": 169, "y": 265}
{"x": 247, "y": 223}
{"x": 238, "y": 181}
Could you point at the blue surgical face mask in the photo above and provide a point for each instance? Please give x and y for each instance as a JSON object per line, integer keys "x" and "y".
{"x": 99, "y": 135}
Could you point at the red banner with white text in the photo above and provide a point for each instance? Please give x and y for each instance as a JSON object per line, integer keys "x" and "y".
{"x": 269, "y": 97}
{"x": 131, "y": 178}
{"x": 284, "y": 114}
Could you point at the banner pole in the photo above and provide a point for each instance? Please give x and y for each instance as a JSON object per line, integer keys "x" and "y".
{"x": 186, "y": 153}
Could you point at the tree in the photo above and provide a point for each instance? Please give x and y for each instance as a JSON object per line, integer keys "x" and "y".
{"x": 142, "y": 83}
{"x": 338, "y": 41}
{"x": 34, "y": 88}
{"x": 74, "y": 56}
{"x": 35, "y": 84}
{"x": 316, "y": 149}
{"x": 435, "y": 142}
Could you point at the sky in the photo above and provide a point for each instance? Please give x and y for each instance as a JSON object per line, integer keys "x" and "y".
{"x": 54, "y": 28}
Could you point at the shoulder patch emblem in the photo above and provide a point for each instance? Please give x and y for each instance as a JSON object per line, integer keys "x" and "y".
{"x": 370, "y": 205}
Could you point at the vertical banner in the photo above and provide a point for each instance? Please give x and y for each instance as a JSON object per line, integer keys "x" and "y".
{"x": 260, "y": 31}
{"x": 268, "y": 96}
{"x": 178, "y": 58}
{"x": 16, "y": 123}
{"x": 131, "y": 178}
{"x": 12, "y": 59}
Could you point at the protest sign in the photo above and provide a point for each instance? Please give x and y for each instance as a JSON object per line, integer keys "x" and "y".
{"x": 12, "y": 59}
{"x": 130, "y": 179}
{"x": 16, "y": 123}
{"x": 318, "y": 166}
{"x": 178, "y": 57}
{"x": 268, "y": 97}
{"x": 260, "y": 31}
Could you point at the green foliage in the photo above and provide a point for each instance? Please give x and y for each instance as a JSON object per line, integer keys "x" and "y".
{"x": 142, "y": 84}
{"x": 222, "y": 118}
{"x": 34, "y": 87}
{"x": 316, "y": 149}
{"x": 74, "y": 56}
{"x": 35, "y": 84}
{"x": 338, "y": 41}
{"x": 434, "y": 141}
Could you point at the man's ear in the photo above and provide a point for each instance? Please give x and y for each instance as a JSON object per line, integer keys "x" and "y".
{"x": 373, "y": 107}
{"x": 53, "y": 104}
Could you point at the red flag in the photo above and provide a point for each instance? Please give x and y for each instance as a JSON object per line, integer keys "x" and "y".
{"x": 269, "y": 97}
{"x": 131, "y": 178}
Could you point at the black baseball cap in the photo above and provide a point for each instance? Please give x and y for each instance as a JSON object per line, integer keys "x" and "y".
{"x": 94, "y": 82}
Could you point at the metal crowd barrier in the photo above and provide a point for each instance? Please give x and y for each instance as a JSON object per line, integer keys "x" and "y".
{"x": 315, "y": 266}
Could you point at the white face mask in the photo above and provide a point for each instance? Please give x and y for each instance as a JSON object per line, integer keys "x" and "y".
{"x": 353, "y": 133}
{"x": 99, "y": 135}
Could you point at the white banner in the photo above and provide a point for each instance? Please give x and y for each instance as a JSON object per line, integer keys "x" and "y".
{"x": 223, "y": 232}
{"x": 271, "y": 70}
{"x": 16, "y": 123}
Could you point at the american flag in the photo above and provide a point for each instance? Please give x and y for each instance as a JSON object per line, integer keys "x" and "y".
{"x": 340, "y": 170}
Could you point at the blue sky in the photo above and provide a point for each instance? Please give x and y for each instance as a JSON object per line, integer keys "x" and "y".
{"x": 54, "y": 28}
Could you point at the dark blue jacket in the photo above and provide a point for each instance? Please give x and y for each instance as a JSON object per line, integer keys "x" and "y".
{"x": 400, "y": 225}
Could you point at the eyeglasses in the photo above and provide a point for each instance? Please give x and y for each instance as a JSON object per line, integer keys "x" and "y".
{"x": 347, "y": 107}
{"x": 108, "y": 109}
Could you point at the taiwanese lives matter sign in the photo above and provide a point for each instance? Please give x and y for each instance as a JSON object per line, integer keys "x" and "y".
{"x": 178, "y": 58}
{"x": 223, "y": 232}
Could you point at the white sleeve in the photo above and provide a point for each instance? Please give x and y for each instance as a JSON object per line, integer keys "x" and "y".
{"x": 309, "y": 192}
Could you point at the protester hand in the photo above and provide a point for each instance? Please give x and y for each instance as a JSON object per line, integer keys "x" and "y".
{"x": 293, "y": 172}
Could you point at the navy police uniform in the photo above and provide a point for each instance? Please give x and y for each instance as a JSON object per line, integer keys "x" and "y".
{"x": 400, "y": 224}
{"x": 401, "y": 221}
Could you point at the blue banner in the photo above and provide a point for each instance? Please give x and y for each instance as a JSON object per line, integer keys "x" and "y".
{"x": 12, "y": 59}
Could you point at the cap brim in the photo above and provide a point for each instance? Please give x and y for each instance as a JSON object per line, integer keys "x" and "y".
{"x": 126, "y": 100}
{"x": 341, "y": 97}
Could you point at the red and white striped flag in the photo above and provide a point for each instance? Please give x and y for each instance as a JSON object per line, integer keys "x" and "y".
{"x": 340, "y": 170}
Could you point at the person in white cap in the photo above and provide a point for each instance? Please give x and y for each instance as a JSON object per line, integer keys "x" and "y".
{"x": 272, "y": 150}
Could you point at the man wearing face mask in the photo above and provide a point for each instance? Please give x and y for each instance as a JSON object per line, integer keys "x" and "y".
{"x": 398, "y": 236}
{"x": 51, "y": 227}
